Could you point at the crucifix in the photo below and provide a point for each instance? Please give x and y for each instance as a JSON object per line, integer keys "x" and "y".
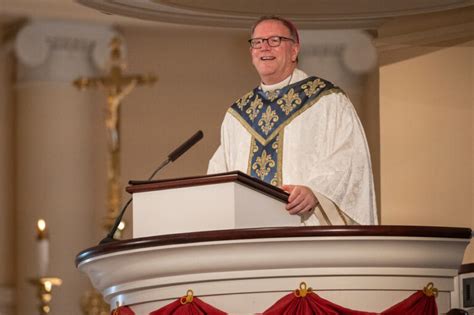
{"x": 117, "y": 85}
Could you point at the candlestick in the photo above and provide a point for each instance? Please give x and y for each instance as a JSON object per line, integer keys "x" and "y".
{"x": 42, "y": 248}
{"x": 45, "y": 292}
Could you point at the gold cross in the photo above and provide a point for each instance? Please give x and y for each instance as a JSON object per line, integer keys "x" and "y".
{"x": 117, "y": 85}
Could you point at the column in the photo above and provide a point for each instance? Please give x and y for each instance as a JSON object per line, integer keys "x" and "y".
{"x": 7, "y": 221}
{"x": 56, "y": 129}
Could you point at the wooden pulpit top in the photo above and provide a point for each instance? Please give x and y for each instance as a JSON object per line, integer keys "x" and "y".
{"x": 235, "y": 176}
{"x": 275, "y": 232}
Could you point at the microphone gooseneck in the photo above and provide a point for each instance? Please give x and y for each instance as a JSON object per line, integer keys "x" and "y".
{"x": 185, "y": 146}
{"x": 173, "y": 156}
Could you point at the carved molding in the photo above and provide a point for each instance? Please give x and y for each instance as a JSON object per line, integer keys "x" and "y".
{"x": 433, "y": 36}
{"x": 308, "y": 14}
{"x": 61, "y": 51}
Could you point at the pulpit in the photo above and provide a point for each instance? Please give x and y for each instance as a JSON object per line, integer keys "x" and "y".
{"x": 213, "y": 202}
{"x": 243, "y": 268}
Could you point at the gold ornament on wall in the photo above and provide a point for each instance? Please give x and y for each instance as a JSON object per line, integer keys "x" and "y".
{"x": 117, "y": 86}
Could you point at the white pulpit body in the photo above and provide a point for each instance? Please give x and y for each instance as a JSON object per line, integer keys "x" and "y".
{"x": 229, "y": 238}
{"x": 245, "y": 271}
{"x": 213, "y": 202}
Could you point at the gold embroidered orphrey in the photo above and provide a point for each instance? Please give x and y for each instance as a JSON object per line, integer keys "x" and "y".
{"x": 265, "y": 115}
{"x": 289, "y": 101}
{"x": 292, "y": 102}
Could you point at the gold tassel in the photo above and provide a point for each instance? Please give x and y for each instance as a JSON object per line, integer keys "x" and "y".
{"x": 430, "y": 290}
{"x": 303, "y": 290}
{"x": 188, "y": 298}
{"x": 116, "y": 310}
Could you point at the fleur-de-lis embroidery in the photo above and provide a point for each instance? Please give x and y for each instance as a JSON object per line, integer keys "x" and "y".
{"x": 253, "y": 150}
{"x": 254, "y": 146}
{"x": 272, "y": 95}
{"x": 312, "y": 87}
{"x": 268, "y": 120}
{"x": 263, "y": 165}
{"x": 275, "y": 147}
{"x": 254, "y": 108}
{"x": 244, "y": 100}
{"x": 289, "y": 101}
{"x": 275, "y": 144}
{"x": 274, "y": 180}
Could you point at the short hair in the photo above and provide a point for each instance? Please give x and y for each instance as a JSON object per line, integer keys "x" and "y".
{"x": 287, "y": 23}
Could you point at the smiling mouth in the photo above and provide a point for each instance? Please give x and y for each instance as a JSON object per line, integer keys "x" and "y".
{"x": 266, "y": 58}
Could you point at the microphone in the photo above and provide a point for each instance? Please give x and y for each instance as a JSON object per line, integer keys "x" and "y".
{"x": 185, "y": 146}
{"x": 171, "y": 158}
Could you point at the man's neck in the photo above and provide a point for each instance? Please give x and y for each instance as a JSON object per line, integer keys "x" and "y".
{"x": 278, "y": 85}
{"x": 271, "y": 80}
{"x": 295, "y": 76}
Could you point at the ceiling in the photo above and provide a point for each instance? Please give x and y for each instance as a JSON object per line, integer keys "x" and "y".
{"x": 363, "y": 14}
{"x": 307, "y": 14}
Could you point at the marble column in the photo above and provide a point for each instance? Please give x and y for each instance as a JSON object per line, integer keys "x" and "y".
{"x": 56, "y": 153}
{"x": 7, "y": 221}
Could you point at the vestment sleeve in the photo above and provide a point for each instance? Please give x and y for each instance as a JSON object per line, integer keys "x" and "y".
{"x": 342, "y": 169}
{"x": 218, "y": 162}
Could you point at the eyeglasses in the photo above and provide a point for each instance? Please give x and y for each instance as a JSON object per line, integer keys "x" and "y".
{"x": 273, "y": 41}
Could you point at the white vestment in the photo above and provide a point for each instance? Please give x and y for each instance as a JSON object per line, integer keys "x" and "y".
{"x": 324, "y": 148}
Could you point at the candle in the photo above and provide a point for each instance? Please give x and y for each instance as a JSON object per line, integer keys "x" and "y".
{"x": 43, "y": 248}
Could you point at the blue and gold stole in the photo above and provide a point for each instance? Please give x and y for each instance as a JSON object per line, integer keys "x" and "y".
{"x": 265, "y": 115}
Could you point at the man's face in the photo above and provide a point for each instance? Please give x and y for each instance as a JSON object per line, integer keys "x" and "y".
{"x": 274, "y": 64}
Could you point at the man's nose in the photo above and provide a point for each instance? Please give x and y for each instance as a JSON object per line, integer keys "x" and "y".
{"x": 265, "y": 45}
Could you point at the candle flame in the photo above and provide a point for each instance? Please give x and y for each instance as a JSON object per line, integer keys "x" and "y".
{"x": 121, "y": 226}
{"x": 41, "y": 232}
{"x": 41, "y": 225}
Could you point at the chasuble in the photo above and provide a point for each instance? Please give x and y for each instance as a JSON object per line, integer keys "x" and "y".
{"x": 302, "y": 131}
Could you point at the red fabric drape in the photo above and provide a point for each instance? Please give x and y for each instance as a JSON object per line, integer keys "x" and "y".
{"x": 311, "y": 304}
{"x": 416, "y": 304}
{"x": 196, "y": 307}
{"x": 122, "y": 310}
{"x": 301, "y": 302}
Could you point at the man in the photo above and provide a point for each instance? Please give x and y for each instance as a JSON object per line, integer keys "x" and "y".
{"x": 300, "y": 133}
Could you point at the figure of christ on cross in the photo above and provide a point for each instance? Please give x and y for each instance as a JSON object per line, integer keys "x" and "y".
{"x": 117, "y": 85}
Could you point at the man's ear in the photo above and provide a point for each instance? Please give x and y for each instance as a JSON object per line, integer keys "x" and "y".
{"x": 295, "y": 50}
